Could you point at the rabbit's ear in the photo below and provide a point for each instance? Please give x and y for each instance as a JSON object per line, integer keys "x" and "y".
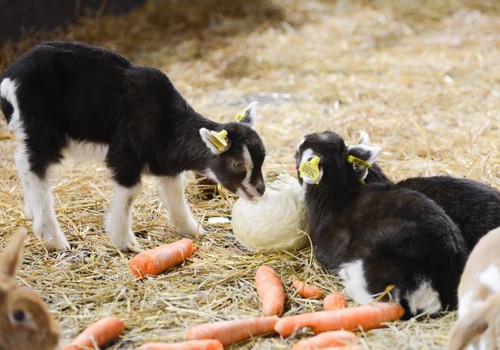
{"x": 12, "y": 255}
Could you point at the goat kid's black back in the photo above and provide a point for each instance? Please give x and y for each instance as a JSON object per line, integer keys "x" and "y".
{"x": 377, "y": 235}
{"x": 74, "y": 91}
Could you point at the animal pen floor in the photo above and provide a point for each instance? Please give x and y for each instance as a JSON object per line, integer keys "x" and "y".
{"x": 421, "y": 77}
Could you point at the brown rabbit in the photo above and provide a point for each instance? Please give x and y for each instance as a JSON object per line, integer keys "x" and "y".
{"x": 25, "y": 322}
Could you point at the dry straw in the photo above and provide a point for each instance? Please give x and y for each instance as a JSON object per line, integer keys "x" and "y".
{"x": 423, "y": 80}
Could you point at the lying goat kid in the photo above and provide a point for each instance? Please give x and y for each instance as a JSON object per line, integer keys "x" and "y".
{"x": 63, "y": 98}
{"x": 473, "y": 206}
{"x": 377, "y": 235}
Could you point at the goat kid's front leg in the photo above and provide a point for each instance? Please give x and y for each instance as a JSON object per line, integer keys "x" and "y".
{"x": 119, "y": 218}
{"x": 39, "y": 204}
{"x": 171, "y": 190}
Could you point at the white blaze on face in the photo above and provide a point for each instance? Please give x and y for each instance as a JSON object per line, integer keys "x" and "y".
{"x": 247, "y": 190}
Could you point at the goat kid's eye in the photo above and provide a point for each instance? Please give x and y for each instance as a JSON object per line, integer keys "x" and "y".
{"x": 238, "y": 165}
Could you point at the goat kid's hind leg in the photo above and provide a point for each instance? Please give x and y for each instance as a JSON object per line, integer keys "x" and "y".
{"x": 39, "y": 204}
{"x": 119, "y": 218}
{"x": 171, "y": 190}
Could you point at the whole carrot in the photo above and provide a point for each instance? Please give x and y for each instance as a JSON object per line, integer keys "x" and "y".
{"x": 204, "y": 344}
{"x": 159, "y": 259}
{"x": 229, "y": 332}
{"x": 270, "y": 290}
{"x": 367, "y": 317}
{"x": 306, "y": 290}
{"x": 98, "y": 333}
{"x": 327, "y": 340}
{"x": 334, "y": 301}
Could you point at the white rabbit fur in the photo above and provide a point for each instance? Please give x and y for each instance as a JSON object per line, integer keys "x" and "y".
{"x": 478, "y": 325}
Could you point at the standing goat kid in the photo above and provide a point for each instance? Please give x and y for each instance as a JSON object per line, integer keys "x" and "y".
{"x": 66, "y": 98}
{"x": 377, "y": 235}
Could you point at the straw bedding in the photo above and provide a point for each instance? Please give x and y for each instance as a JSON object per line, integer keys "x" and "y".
{"x": 423, "y": 80}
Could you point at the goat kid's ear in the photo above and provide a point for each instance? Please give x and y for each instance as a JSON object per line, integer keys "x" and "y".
{"x": 249, "y": 115}
{"x": 12, "y": 255}
{"x": 362, "y": 156}
{"x": 216, "y": 141}
{"x": 364, "y": 138}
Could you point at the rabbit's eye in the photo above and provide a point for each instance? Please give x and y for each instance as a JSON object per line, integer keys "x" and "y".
{"x": 19, "y": 315}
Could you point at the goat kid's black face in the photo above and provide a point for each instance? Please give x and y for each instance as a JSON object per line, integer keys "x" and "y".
{"x": 238, "y": 166}
{"x": 333, "y": 153}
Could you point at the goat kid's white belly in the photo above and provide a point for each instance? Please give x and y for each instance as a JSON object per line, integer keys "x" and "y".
{"x": 85, "y": 151}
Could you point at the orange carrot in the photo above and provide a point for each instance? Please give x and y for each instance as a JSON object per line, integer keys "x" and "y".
{"x": 344, "y": 347}
{"x": 270, "y": 290}
{"x": 205, "y": 344}
{"x": 98, "y": 333}
{"x": 334, "y": 301}
{"x": 306, "y": 290}
{"x": 327, "y": 340}
{"x": 159, "y": 259}
{"x": 229, "y": 332}
{"x": 367, "y": 316}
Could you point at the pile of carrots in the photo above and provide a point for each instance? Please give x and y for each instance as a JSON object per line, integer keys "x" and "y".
{"x": 333, "y": 326}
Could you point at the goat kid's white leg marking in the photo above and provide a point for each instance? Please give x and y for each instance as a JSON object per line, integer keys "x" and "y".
{"x": 306, "y": 155}
{"x": 119, "y": 219}
{"x": 424, "y": 299}
{"x": 171, "y": 190}
{"x": 82, "y": 150}
{"x": 491, "y": 278}
{"x": 353, "y": 276}
{"x": 39, "y": 204}
{"x": 24, "y": 172}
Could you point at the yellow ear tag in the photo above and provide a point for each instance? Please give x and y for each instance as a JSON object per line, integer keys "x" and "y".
{"x": 358, "y": 161}
{"x": 310, "y": 169}
{"x": 218, "y": 139}
{"x": 240, "y": 116}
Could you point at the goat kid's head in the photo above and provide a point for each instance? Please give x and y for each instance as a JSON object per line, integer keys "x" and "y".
{"x": 326, "y": 154}
{"x": 238, "y": 156}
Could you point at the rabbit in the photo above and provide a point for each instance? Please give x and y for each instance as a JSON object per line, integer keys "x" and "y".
{"x": 25, "y": 322}
{"x": 478, "y": 325}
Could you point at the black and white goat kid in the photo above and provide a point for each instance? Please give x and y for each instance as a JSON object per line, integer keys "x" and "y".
{"x": 377, "y": 235}
{"x": 67, "y": 98}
